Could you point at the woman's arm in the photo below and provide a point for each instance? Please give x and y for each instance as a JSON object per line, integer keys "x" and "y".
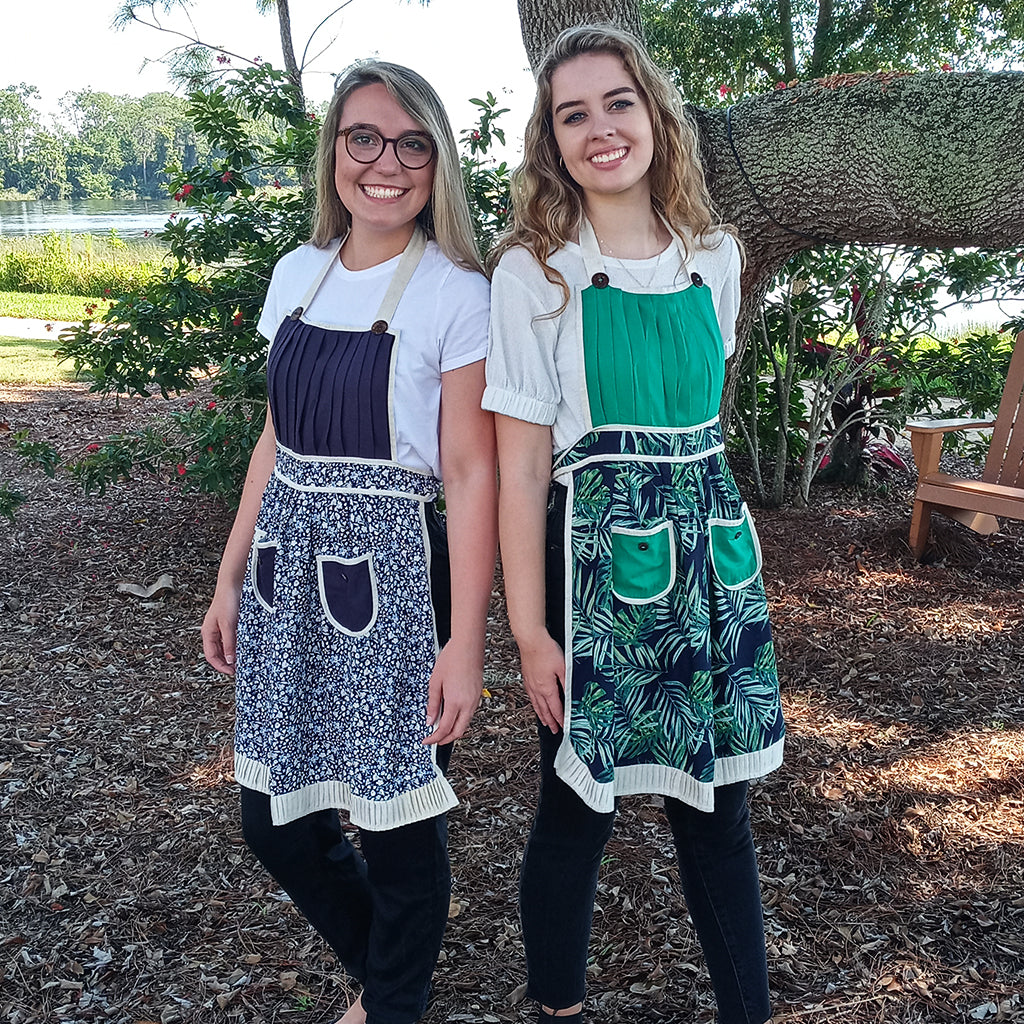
{"x": 524, "y": 454}
{"x": 471, "y": 491}
{"x": 220, "y": 625}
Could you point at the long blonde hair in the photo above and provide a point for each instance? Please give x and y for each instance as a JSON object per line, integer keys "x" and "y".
{"x": 445, "y": 218}
{"x": 547, "y": 203}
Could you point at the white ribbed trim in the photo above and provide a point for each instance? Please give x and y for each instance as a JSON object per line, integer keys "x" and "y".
{"x": 661, "y": 779}
{"x": 436, "y": 797}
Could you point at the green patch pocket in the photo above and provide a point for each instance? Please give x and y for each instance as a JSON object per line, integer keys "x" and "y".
{"x": 735, "y": 550}
{"x": 643, "y": 563}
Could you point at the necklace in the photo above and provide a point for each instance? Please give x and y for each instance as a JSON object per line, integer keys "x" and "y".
{"x": 642, "y": 285}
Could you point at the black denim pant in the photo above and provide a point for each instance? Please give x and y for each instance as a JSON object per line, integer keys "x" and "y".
{"x": 718, "y": 869}
{"x": 383, "y": 911}
{"x": 717, "y": 865}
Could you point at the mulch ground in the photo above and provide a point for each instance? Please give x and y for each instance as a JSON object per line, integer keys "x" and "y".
{"x": 891, "y": 843}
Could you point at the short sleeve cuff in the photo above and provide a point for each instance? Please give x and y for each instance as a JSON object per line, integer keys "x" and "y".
{"x": 519, "y": 407}
{"x": 456, "y": 362}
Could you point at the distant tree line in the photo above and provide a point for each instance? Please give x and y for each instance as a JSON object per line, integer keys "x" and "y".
{"x": 103, "y": 146}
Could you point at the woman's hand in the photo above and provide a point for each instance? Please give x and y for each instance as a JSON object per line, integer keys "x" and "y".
{"x": 220, "y": 629}
{"x": 543, "y": 663}
{"x": 455, "y": 688}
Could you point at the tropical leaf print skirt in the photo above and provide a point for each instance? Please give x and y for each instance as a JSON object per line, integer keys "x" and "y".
{"x": 670, "y": 663}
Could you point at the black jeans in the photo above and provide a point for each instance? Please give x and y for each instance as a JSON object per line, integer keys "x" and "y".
{"x": 383, "y": 912}
{"x": 718, "y": 868}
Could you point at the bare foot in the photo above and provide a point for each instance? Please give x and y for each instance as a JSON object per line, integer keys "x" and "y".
{"x": 355, "y": 1014}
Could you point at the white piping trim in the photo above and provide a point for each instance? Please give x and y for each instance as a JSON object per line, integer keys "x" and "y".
{"x": 368, "y": 559}
{"x": 660, "y": 528}
{"x": 567, "y": 588}
{"x": 355, "y": 461}
{"x": 311, "y": 489}
{"x": 744, "y": 517}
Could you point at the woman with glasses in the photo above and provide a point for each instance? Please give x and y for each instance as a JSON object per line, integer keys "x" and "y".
{"x": 359, "y": 612}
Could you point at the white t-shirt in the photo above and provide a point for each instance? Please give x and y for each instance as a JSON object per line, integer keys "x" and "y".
{"x": 535, "y": 363}
{"x": 440, "y": 322}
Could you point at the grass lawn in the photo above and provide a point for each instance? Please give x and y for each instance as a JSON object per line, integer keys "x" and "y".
{"x": 45, "y": 305}
{"x": 31, "y": 361}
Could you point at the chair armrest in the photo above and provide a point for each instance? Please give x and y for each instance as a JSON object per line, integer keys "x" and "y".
{"x": 926, "y": 440}
{"x": 927, "y": 426}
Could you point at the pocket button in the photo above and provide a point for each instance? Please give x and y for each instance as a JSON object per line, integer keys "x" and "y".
{"x": 643, "y": 545}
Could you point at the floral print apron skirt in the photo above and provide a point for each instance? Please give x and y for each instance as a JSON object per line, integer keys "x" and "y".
{"x": 670, "y": 670}
{"x": 336, "y": 637}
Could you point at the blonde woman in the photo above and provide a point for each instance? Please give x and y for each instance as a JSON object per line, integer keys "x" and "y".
{"x": 631, "y": 564}
{"x": 359, "y": 651}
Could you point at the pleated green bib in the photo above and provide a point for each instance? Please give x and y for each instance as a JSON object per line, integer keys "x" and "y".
{"x": 652, "y": 360}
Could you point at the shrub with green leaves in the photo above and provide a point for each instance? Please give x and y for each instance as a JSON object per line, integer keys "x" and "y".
{"x": 194, "y": 323}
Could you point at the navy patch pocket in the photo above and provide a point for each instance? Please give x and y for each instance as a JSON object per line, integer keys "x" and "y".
{"x": 264, "y": 558}
{"x": 348, "y": 592}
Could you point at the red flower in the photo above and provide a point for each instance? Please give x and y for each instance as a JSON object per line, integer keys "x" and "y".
{"x": 211, "y": 405}
{"x": 221, "y": 59}
{"x": 187, "y": 189}
{"x": 106, "y": 291}
{"x": 173, "y": 215}
{"x": 92, "y": 447}
{"x": 947, "y": 67}
{"x": 277, "y": 184}
{"x": 723, "y": 91}
{"x": 146, "y": 234}
{"x": 181, "y": 469}
{"x": 90, "y": 308}
{"x": 476, "y": 135}
{"x": 226, "y": 176}
{"x": 236, "y": 320}
{"x": 780, "y": 85}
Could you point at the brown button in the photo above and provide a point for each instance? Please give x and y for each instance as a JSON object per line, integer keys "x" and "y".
{"x": 379, "y": 327}
{"x": 696, "y": 279}
{"x": 599, "y": 280}
{"x": 643, "y": 545}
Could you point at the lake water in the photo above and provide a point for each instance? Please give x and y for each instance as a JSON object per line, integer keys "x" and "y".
{"x": 131, "y": 218}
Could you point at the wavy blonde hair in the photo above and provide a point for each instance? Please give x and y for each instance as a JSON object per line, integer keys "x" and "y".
{"x": 445, "y": 218}
{"x": 547, "y": 203}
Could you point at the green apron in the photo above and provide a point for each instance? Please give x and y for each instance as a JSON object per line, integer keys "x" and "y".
{"x": 670, "y": 670}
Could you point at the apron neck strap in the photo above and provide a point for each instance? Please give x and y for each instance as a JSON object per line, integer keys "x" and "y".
{"x": 593, "y": 258}
{"x": 403, "y": 274}
{"x": 407, "y": 265}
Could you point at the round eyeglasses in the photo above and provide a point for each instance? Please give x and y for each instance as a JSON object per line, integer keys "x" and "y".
{"x": 412, "y": 149}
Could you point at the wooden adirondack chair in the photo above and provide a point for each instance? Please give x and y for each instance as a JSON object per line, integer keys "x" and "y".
{"x": 999, "y": 492}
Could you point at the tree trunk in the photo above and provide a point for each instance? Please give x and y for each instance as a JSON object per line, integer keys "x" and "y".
{"x": 284, "y": 20}
{"x": 918, "y": 160}
{"x": 542, "y": 20}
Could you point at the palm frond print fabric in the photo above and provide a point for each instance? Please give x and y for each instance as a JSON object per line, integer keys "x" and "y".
{"x": 683, "y": 680}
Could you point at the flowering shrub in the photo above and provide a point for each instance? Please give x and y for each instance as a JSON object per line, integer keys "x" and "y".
{"x": 194, "y": 322}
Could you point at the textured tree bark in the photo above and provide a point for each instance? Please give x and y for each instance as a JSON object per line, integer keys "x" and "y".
{"x": 542, "y": 20}
{"x": 916, "y": 160}
{"x": 284, "y": 20}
